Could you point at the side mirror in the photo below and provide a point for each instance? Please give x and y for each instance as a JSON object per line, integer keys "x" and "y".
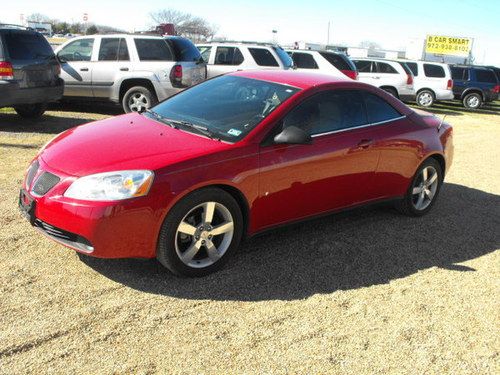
{"x": 61, "y": 59}
{"x": 293, "y": 135}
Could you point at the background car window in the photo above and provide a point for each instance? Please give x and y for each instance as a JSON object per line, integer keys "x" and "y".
{"x": 79, "y": 50}
{"x": 363, "y": 66}
{"x": 153, "y": 50}
{"x": 205, "y": 52}
{"x": 184, "y": 49}
{"x": 378, "y": 109}
{"x": 327, "y": 112}
{"x": 338, "y": 61}
{"x": 108, "y": 51}
{"x": 228, "y": 56}
{"x": 385, "y": 68}
{"x": 413, "y": 67}
{"x": 27, "y": 46}
{"x": 263, "y": 57}
{"x": 483, "y": 75}
{"x": 434, "y": 71}
{"x": 123, "y": 50}
{"x": 459, "y": 73}
{"x": 304, "y": 61}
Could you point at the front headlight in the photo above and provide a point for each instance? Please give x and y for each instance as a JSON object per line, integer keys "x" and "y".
{"x": 111, "y": 186}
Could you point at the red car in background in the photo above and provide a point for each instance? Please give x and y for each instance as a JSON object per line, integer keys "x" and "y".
{"x": 185, "y": 181}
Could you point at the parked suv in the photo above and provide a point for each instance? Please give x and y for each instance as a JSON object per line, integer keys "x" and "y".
{"x": 392, "y": 76}
{"x": 326, "y": 62}
{"x": 226, "y": 57}
{"x": 29, "y": 71}
{"x": 431, "y": 81}
{"x": 134, "y": 70}
{"x": 474, "y": 85}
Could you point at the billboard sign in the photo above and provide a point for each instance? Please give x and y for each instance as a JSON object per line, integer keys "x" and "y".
{"x": 448, "y": 45}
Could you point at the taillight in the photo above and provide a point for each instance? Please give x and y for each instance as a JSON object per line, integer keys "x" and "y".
{"x": 6, "y": 70}
{"x": 352, "y": 74}
{"x": 176, "y": 76}
{"x": 57, "y": 69}
{"x": 409, "y": 80}
{"x": 496, "y": 89}
{"x": 449, "y": 85}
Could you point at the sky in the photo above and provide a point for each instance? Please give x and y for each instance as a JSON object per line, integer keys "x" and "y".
{"x": 390, "y": 23}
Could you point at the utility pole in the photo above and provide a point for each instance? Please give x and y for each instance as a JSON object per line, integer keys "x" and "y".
{"x": 328, "y": 35}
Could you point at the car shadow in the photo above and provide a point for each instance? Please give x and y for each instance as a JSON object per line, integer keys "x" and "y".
{"x": 80, "y": 106}
{"x": 346, "y": 251}
{"x": 47, "y": 124}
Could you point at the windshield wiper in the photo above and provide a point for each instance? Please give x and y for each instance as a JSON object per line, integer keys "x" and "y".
{"x": 162, "y": 119}
{"x": 200, "y": 128}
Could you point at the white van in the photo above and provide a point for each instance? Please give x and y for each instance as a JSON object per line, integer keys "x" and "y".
{"x": 431, "y": 80}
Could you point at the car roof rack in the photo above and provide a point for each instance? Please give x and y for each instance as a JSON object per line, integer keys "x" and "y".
{"x": 14, "y": 26}
{"x": 241, "y": 42}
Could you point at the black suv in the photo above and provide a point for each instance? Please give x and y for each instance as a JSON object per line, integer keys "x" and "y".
{"x": 29, "y": 71}
{"x": 474, "y": 85}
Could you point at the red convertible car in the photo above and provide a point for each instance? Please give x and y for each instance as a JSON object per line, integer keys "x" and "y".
{"x": 185, "y": 181}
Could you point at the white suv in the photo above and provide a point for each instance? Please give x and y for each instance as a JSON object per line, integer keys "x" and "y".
{"x": 325, "y": 62}
{"x": 392, "y": 76}
{"x": 226, "y": 57}
{"x": 432, "y": 81}
{"x": 134, "y": 70}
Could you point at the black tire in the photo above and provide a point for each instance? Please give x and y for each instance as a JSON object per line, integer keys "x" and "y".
{"x": 391, "y": 91}
{"x": 406, "y": 205}
{"x": 472, "y": 100}
{"x": 31, "y": 111}
{"x": 167, "y": 254}
{"x": 425, "y": 98}
{"x": 142, "y": 94}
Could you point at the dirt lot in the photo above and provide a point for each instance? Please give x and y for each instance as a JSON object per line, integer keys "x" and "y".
{"x": 369, "y": 292}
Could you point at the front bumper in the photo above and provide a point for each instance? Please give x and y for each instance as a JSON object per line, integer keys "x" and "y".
{"x": 121, "y": 229}
{"x": 11, "y": 94}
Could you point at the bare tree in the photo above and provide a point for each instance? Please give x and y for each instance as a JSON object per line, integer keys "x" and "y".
{"x": 186, "y": 24}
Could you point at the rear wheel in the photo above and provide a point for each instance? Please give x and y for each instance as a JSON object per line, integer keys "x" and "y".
{"x": 472, "y": 100}
{"x": 425, "y": 98}
{"x": 200, "y": 233}
{"x": 31, "y": 111}
{"x": 423, "y": 190}
{"x": 138, "y": 99}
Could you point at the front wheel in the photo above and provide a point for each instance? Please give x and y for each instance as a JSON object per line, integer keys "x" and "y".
{"x": 31, "y": 111}
{"x": 200, "y": 233}
{"x": 423, "y": 190}
{"x": 472, "y": 101}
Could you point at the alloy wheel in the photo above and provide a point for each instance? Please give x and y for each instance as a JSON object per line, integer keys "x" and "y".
{"x": 424, "y": 188}
{"x": 425, "y": 99}
{"x": 473, "y": 102}
{"x": 204, "y": 235}
{"x": 138, "y": 102}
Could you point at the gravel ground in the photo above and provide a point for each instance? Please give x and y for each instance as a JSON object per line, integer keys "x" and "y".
{"x": 366, "y": 292}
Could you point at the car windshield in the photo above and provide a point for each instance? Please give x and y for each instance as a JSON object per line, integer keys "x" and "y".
{"x": 227, "y": 107}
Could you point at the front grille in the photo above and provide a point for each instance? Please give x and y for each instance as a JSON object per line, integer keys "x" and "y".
{"x": 64, "y": 236}
{"x": 31, "y": 173}
{"x": 44, "y": 183}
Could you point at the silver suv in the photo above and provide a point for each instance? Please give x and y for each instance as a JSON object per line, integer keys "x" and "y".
{"x": 134, "y": 70}
{"x": 226, "y": 57}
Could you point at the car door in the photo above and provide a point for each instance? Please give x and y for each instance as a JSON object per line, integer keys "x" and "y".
{"x": 226, "y": 59}
{"x": 367, "y": 72}
{"x": 336, "y": 170}
{"x": 112, "y": 60}
{"x": 76, "y": 67}
{"x": 460, "y": 77}
{"x": 435, "y": 76}
{"x": 387, "y": 75}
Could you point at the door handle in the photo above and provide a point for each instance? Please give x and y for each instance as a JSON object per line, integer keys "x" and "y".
{"x": 84, "y": 69}
{"x": 365, "y": 143}
{"x": 124, "y": 69}
{"x": 376, "y": 77}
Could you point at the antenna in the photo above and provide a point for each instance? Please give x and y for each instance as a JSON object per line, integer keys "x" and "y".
{"x": 441, "y": 123}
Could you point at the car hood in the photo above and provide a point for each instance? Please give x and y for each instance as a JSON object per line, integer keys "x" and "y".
{"x": 124, "y": 142}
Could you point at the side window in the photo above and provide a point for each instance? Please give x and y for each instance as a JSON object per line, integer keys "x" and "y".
{"x": 108, "y": 51}
{"x": 378, "y": 109}
{"x": 123, "y": 50}
{"x": 385, "y": 68}
{"x": 434, "y": 71}
{"x": 413, "y": 67}
{"x": 153, "y": 50}
{"x": 79, "y": 50}
{"x": 228, "y": 56}
{"x": 458, "y": 73}
{"x": 327, "y": 112}
{"x": 483, "y": 75}
{"x": 263, "y": 57}
{"x": 205, "y": 52}
{"x": 363, "y": 66}
{"x": 304, "y": 61}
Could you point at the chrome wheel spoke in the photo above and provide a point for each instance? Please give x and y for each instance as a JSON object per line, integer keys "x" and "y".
{"x": 186, "y": 228}
{"x": 420, "y": 200}
{"x": 213, "y": 254}
{"x": 223, "y": 228}
{"x": 189, "y": 254}
{"x": 424, "y": 174}
{"x": 208, "y": 212}
{"x": 431, "y": 180}
{"x": 417, "y": 190}
{"x": 429, "y": 194}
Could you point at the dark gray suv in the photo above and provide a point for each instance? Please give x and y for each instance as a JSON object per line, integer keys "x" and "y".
{"x": 29, "y": 71}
